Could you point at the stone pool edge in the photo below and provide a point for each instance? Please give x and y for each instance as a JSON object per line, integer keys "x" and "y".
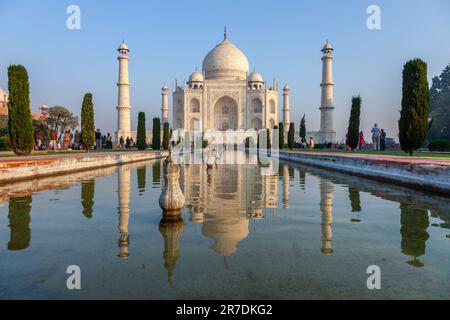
{"x": 428, "y": 177}
{"x": 12, "y": 170}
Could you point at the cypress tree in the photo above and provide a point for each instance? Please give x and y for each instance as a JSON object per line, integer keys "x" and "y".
{"x": 20, "y": 124}
{"x": 166, "y": 136}
{"x": 303, "y": 129}
{"x": 87, "y": 123}
{"x": 156, "y": 138}
{"x": 413, "y": 123}
{"x": 141, "y": 139}
{"x": 269, "y": 145}
{"x": 353, "y": 123}
{"x": 281, "y": 135}
{"x": 291, "y": 136}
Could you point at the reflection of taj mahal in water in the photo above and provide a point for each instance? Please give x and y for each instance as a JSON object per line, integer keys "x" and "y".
{"x": 224, "y": 200}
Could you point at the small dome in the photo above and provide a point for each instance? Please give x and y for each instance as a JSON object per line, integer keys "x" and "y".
{"x": 327, "y": 46}
{"x": 286, "y": 88}
{"x": 255, "y": 77}
{"x": 196, "y": 77}
{"x": 225, "y": 61}
{"x": 123, "y": 46}
{"x": 165, "y": 87}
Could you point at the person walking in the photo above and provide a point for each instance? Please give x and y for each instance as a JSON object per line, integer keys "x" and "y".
{"x": 127, "y": 143}
{"x": 39, "y": 135}
{"x": 53, "y": 137}
{"x": 98, "y": 140}
{"x": 361, "y": 140}
{"x": 67, "y": 140}
{"x": 311, "y": 143}
{"x": 77, "y": 140}
{"x": 109, "y": 142}
{"x": 121, "y": 142}
{"x": 376, "y": 135}
{"x": 383, "y": 140}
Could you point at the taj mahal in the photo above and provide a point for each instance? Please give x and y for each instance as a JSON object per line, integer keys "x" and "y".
{"x": 226, "y": 96}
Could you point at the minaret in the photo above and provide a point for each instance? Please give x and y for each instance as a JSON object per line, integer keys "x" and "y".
{"x": 327, "y": 133}
{"x": 286, "y": 109}
{"x": 124, "y": 188}
{"x": 165, "y": 104}
{"x": 123, "y": 107}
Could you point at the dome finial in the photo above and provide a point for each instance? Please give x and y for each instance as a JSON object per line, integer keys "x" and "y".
{"x": 225, "y": 33}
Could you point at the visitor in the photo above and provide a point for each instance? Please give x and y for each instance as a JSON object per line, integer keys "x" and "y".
{"x": 361, "y": 140}
{"x": 109, "y": 142}
{"x": 98, "y": 140}
{"x": 311, "y": 143}
{"x": 121, "y": 142}
{"x": 77, "y": 140}
{"x": 131, "y": 142}
{"x": 39, "y": 137}
{"x": 67, "y": 140}
{"x": 127, "y": 143}
{"x": 376, "y": 134}
{"x": 383, "y": 140}
{"x": 53, "y": 137}
{"x": 58, "y": 144}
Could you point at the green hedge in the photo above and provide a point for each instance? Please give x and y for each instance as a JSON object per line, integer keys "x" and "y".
{"x": 4, "y": 145}
{"x": 439, "y": 145}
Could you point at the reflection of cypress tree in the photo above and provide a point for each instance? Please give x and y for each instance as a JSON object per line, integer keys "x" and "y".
{"x": 414, "y": 223}
{"x": 302, "y": 179}
{"x": 19, "y": 222}
{"x": 291, "y": 172}
{"x": 156, "y": 169}
{"x": 87, "y": 197}
{"x": 141, "y": 173}
{"x": 355, "y": 200}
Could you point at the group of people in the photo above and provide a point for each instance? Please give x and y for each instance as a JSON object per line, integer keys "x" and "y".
{"x": 378, "y": 139}
{"x": 70, "y": 141}
{"x": 127, "y": 143}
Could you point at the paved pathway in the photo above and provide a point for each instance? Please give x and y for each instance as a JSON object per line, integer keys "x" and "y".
{"x": 381, "y": 157}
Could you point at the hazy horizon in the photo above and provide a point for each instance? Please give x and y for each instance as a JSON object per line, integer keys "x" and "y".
{"x": 168, "y": 41}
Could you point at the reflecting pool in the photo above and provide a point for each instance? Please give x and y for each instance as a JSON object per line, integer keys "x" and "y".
{"x": 301, "y": 233}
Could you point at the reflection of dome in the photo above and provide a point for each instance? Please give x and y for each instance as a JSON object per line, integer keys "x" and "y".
{"x": 255, "y": 77}
{"x": 196, "y": 77}
{"x": 225, "y": 61}
{"x": 227, "y": 233}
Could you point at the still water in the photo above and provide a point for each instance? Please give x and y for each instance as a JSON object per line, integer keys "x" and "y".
{"x": 302, "y": 233}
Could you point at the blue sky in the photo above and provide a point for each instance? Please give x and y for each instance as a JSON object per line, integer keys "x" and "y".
{"x": 168, "y": 39}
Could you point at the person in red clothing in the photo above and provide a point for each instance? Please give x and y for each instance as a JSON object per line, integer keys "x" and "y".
{"x": 361, "y": 140}
{"x": 53, "y": 137}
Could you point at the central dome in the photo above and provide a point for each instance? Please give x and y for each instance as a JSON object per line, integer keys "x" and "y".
{"x": 226, "y": 62}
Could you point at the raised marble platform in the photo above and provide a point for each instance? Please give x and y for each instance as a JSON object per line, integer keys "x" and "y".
{"x": 423, "y": 173}
{"x": 31, "y": 167}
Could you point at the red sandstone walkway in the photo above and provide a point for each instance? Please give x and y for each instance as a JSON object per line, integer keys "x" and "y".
{"x": 54, "y": 156}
